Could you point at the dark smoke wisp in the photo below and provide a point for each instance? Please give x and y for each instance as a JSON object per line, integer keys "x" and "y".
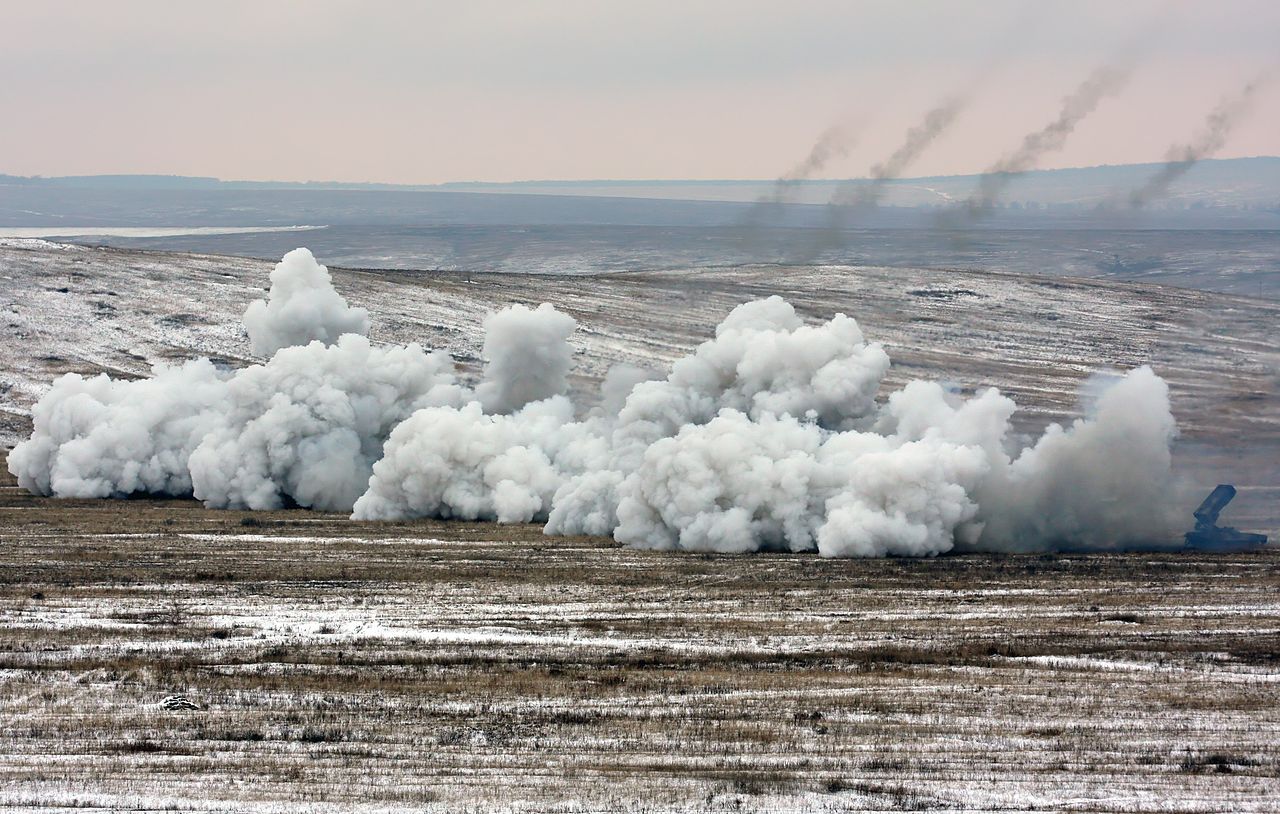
{"x": 1182, "y": 157}
{"x": 862, "y": 195}
{"x": 1103, "y": 82}
{"x": 856, "y": 197}
{"x": 834, "y": 143}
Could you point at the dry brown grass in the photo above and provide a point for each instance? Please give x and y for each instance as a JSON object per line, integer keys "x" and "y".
{"x": 470, "y": 666}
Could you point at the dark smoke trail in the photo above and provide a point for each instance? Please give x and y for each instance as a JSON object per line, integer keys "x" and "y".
{"x": 835, "y": 142}
{"x": 1103, "y": 82}
{"x": 1183, "y": 157}
{"x": 855, "y": 197}
{"x": 860, "y": 195}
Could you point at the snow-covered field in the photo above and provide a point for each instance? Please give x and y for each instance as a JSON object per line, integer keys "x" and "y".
{"x": 469, "y": 667}
{"x": 72, "y": 308}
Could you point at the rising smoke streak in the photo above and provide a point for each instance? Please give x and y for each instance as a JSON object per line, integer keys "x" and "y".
{"x": 1103, "y": 82}
{"x": 854, "y": 198}
{"x": 859, "y": 195}
{"x": 1182, "y": 157}
{"x": 835, "y": 142}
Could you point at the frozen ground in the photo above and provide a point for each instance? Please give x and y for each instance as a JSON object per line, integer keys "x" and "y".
{"x": 79, "y": 309}
{"x": 463, "y": 667}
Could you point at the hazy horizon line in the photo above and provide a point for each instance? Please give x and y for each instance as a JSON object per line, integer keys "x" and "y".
{"x": 593, "y": 181}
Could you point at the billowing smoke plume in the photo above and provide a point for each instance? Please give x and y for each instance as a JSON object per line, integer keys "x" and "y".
{"x": 1183, "y": 157}
{"x": 529, "y": 357}
{"x": 307, "y": 426}
{"x": 460, "y": 462}
{"x": 1104, "y": 478}
{"x": 935, "y": 476}
{"x": 768, "y": 436}
{"x": 101, "y": 437}
{"x": 300, "y": 307}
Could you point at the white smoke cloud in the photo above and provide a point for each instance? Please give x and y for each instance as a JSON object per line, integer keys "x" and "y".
{"x": 767, "y": 437}
{"x": 98, "y": 437}
{"x": 302, "y": 306}
{"x": 459, "y": 462}
{"x": 308, "y": 425}
{"x": 908, "y": 501}
{"x": 737, "y": 484}
{"x": 763, "y": 359}
{"x": 303, "y": 428}
{"x": 733, "y": 484}
{"x": 618, "y": 383}
{"x": 528, "y": 357}
{"x": 1103, "y": 482}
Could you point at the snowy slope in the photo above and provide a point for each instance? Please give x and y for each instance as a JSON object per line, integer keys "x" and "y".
{"x": 88, "y": 310}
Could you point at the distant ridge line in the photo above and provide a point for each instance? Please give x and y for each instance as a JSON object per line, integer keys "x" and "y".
{"x": 195, "y": 182}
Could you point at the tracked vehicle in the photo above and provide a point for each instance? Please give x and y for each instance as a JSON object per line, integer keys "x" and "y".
{"x": 1209, "y": 536}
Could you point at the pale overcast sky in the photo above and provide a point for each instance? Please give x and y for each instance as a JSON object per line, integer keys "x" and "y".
{"x": 424, "y": 92}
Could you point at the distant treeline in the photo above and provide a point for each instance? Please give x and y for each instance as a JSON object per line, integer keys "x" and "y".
{"x": 1263, "y": 171}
